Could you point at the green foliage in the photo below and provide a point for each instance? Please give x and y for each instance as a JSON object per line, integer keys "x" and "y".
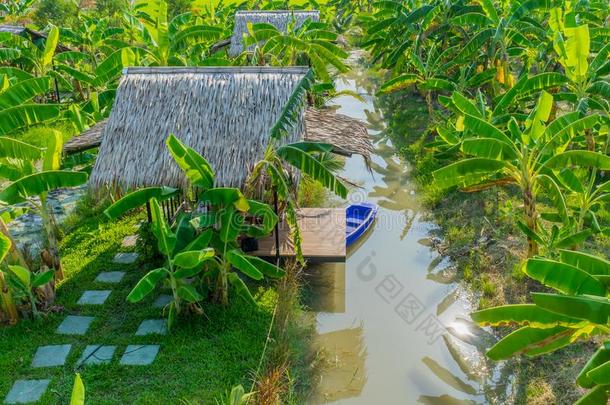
{"x": 57, "y": 12}
{"x": 517, "y": 95}
{"x": 78, "y": 391}
{"x": 201, "y": 246}
{"x": 580, "y": 308}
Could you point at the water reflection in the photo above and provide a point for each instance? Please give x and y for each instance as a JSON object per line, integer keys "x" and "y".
{"x": 345, "y": 374}
{"x": 393, "y": 321}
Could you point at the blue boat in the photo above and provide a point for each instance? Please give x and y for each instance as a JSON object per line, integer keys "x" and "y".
{"x": 359, "y": 218}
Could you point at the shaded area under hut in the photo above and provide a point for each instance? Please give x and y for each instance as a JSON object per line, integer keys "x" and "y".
{"x": 280, "y": 19}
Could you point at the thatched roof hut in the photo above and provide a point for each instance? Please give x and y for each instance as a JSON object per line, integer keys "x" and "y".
{"x": 225, "y": 113}
{"x": 278, "y": 18}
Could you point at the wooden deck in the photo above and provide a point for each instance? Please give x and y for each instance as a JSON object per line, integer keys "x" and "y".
{"x": 322, "y": 234}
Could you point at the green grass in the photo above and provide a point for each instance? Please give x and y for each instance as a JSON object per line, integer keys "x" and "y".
{"x": 200, "y": 359}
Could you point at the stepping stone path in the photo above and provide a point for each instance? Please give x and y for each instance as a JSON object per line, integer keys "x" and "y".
{"x": 139, "y": 355}
{"x": 94, "y": 297}
{"x": 28, "y": 391}
{"x": 162, "y": 300}
{"x": 152, "y": 327}
{"x": 125, "y": 258}
{"x": 74, "y": 325}
{"x": 129, "y": 241}
{"x": 25, "y": 391}
{"x": 97, "y": 354}
{"x": 51, "y": 356}
{"x": 110, "y": 277}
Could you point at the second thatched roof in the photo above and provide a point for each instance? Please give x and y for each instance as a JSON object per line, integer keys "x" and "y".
{"x": 278, "y": 18}
{"x": 34, "y": 36}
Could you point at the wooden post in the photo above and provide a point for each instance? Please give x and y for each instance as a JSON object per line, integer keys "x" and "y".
{"x": 277, "y": 228}
{"x": 56, "y": 85}
{"x": 148, "y": 213}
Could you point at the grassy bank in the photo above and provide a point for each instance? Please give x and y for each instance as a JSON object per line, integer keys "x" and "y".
{"x": 478, "y": 232}
{"x": 199, "y": 360}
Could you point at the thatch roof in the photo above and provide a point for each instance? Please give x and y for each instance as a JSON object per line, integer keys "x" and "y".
{"x": 88, "y": 139}
{"x": 348, "y": 135}
{"x": 225, "y": 113}
{"x": 278, "y": 18}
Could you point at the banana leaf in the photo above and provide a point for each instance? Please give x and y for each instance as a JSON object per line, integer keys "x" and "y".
{"x": 563, "y": 277}
{"x": 522, "y": 314}
{"x": 23, "y": 91}
{"x": 525, "y": 339}
{"x": 593, "y": 265}
{"x": 15, "y": 149}
{"x": 587, "y": 307}
{"x": 38, "y": 183}
{"x": 15, "y": 118}
{"x": 147, "y": 284}
{"x": 138, "y": 198}
{"x": 307, "y": 164}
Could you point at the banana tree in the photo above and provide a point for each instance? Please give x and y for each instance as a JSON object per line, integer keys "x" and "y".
{"x": 16, "y": 109}
{"x": 524, "y": 155}
{"x": 26, "y": 182}
{"x": 215, "y": 232}
{"x": 39, "y": 60}
{"x": 579, "y": 309}
{"x": 312, "y": 43}
{"x": 586, "y": 72}
{"x": 26, "y": 283}
{"x": 277, "y": 166}
{"x": 425, "y": 77}
{"x": 7, "y": 302}
{"x": 183, "y": 40}
{"x": 588, "y": 195}
{"x": 185, "y": 256}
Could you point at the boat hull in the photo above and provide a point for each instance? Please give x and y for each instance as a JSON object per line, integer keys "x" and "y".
{"x": 359, "y": 218}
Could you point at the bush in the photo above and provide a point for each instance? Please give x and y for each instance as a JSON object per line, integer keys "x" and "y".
{"x": 110, "y": 8}
{"x": 56, "y": 12}
{"x": 175, "y": 7}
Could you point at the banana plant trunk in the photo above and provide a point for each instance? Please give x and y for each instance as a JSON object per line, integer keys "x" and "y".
{"x": 14, "y": 255}
{"x": 529, "y": 204}
{"x": 6, "y": 302}
{"x": 50, "y": 256}
{"x": 222, "y": 287}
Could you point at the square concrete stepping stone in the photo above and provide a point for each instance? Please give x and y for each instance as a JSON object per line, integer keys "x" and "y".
{"x": 152, "y": 327}
{"x": 162, "y": 300}
{"x": 111, "y": 277}
{"x": 139, "y": 355}
{"x": 96, "y": 354}
{"x": 125, "y": 258}
{"x": 97, "y": 297}
{"x": 51, "y": 356}
{"x": 26, "y": 391}
{"x": 129, "y": 241}
{"x": 75, "y": 325}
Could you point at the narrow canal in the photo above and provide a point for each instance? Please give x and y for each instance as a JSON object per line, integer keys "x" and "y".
{"x": 392, "y": 321}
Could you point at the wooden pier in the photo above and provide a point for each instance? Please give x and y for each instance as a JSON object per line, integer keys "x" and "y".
{"x": 322, "y": 235}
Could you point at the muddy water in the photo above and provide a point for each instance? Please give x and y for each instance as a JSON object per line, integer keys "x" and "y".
{"x": 393, "y": 320}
